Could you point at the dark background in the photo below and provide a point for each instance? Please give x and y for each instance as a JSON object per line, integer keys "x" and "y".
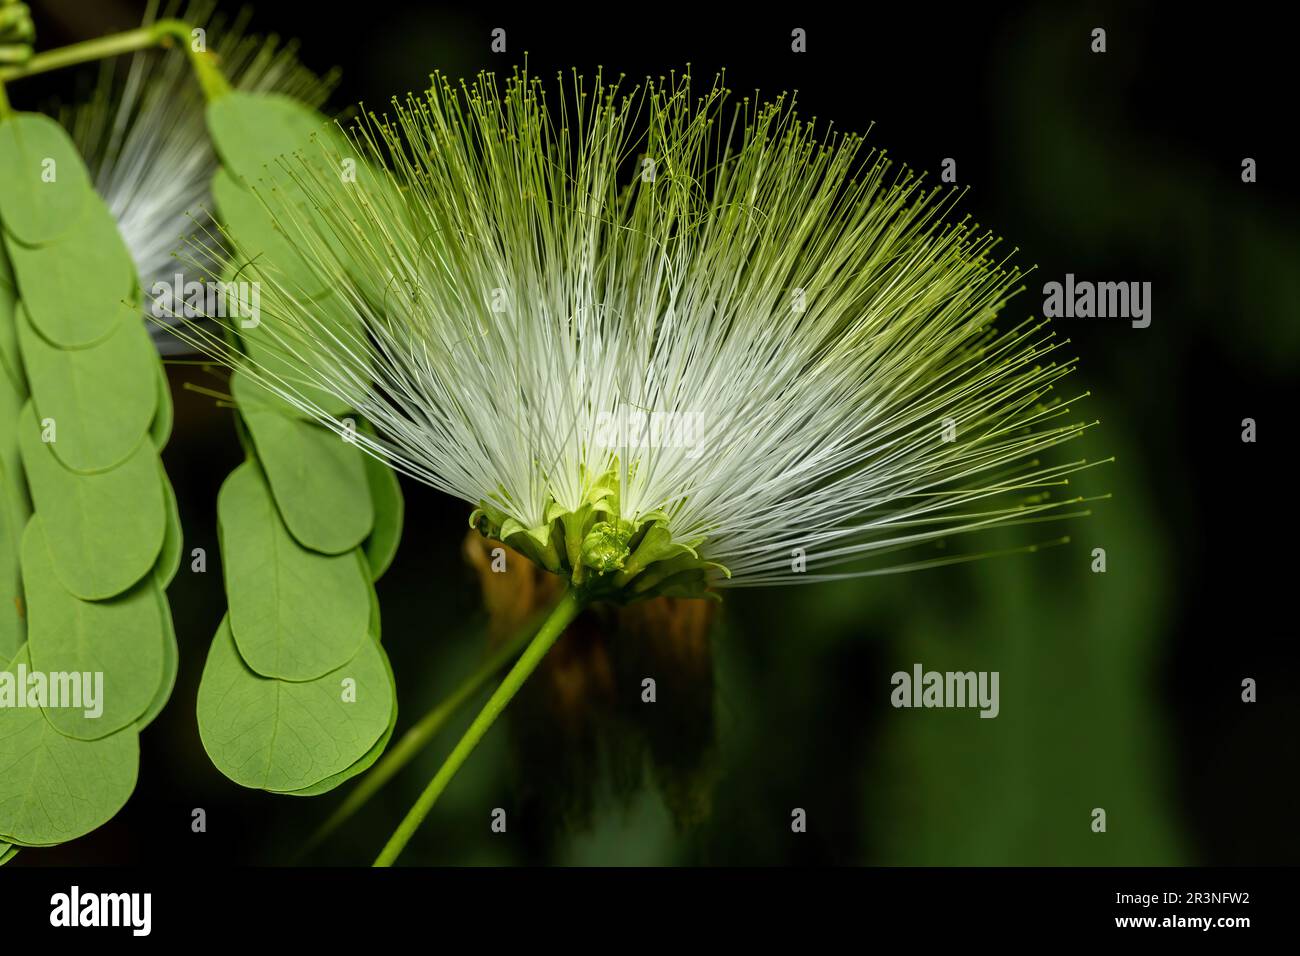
{"x": 1119, "y": 691}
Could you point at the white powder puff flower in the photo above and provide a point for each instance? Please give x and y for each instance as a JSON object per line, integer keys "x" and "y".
{"x": 662, "y": 345}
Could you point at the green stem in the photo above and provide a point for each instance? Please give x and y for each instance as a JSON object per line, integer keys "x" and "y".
{"x": 565, "y": 611}
{"x": 161, "y": 33}
{"x": 419, "y": 736}
{"x": 84, "y": 52}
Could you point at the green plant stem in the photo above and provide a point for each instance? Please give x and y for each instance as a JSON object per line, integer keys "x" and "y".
{"x": 568, "y": 608}
{"x": 160, "y": 33}
{"x": 83, "y": 52}
{"x": 420, "y": 734}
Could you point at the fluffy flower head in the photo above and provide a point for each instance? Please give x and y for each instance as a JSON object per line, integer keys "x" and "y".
{"x": 661, "y": 338}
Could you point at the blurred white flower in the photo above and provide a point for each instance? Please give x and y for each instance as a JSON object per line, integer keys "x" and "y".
{"x": 143, "y": 135}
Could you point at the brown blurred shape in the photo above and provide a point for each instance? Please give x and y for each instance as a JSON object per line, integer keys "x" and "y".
{"x": 581, "y": 718}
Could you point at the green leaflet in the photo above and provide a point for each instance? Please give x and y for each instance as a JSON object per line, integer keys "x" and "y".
{"x": 11, "y": 366}
{"x": 252, "y": 130}
{"x": 14, "y": 504}
{"x": 295, "y": 614}
{"x": 376, "y": 624}
{"x": 72, "y": 289}
{"x": 121, "y": 638}
{"x": 317, "y": 478}
{"x": 13, "y": 626}
{"x": 7, "y": 280}
{"x": 7, "y": 853}
{"x": 160, "y": 429}
{"x": 255, "y": 135}
{"x": 102, "y": 398}
{"x": 48, "y": 182}
{"x": 16, "y": 500}
{"x": 290, "y": 362}
{"x": 371, "y": 755}
{"x": 390, "y": 509}
{"x": 169, "y": 558}
{"x": 26, "y": 846}
{"x": 285, "y": 358}
{"x": 260, "y": 240}
{"x": 281, "y": 735}
{"x": 55, "y": 788}
{"x": 171, "y": 664}
{"x": 105, "y": 531}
